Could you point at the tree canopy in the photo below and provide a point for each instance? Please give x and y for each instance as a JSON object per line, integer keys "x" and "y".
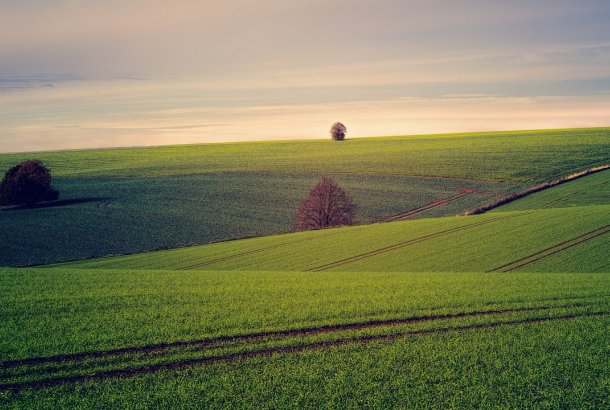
{"x": 26, "y": 184}
{"x": 338, "y": 131}
{"x": 326, "y": 205}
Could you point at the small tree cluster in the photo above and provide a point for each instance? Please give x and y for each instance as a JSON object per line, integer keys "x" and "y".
{"x": 26, "y": 184}
{"x": 338, "y": 131}
{"x": 326, "y": 205}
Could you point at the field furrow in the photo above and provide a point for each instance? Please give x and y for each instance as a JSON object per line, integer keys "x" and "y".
{"x": 17, "y": 376}
{"x": 552, "y": 250}
{"x": 401, "y": 245}
{"x": 432, "y": 205}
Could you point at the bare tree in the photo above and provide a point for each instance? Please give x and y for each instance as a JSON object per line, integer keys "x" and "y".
{"x": 338, "y": 131}
{"x": 326, "y": 205}
{"x": 26, "y": 184}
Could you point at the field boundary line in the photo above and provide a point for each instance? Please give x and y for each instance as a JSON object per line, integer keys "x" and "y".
{"x": 537, "y": 188}
{"x": 283, "y": 333}
{"x": 232, "y": 357}
{"x": 552, "y": 250}
{"x": 400, "y": 245}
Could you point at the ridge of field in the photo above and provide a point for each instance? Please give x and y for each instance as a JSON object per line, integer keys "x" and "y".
{"x": 499, "y": 156}
{"x": 451, "y": 244}
{"x": 121, "y": 201}
{"x": 165, "y": 323}
{"x": 593, "y": 189}
{"x": 552, "y": 364}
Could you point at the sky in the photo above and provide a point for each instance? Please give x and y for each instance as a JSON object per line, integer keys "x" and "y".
{"x": 92, "y": 73}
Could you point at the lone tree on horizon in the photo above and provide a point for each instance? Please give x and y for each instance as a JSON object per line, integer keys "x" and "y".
{"x": 326, "y": 205}
{"x": 338, "y": 131}
{"x": 26, "y": 184}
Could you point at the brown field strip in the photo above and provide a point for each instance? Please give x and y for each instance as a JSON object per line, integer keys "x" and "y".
{"x": 400, "y": 245}
{"x": 552, "y": 250}
{"x": 269, "y": 351}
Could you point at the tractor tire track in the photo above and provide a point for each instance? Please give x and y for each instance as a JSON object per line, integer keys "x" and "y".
{"x": 306, "y": 331}
{"x": 404, "y": 244}
{"x": 232, "y": 357}
{"x": 552, "y": 250}
{"x": 464, "y": 192}
{"x": 573, "y": 194}
{"x": 253, "y": 251}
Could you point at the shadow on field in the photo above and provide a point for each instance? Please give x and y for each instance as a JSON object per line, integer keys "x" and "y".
{"x": 52, "y": 204}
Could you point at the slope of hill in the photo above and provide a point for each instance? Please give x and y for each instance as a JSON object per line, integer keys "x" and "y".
{"x": 593, "y": 189}
{"x": 239, "y": 324}
{"x": 489, "y": 242}
{"x": 133, "y": 200}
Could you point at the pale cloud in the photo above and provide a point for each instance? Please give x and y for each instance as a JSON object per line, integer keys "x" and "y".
{"x": 256, "y": 69}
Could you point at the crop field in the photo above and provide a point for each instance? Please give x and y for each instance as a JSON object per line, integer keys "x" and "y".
{"x": 593, "y": 189}
{"x": 121, "y": 201}
{"x": 518, "y": 240}
{"x": 507, "y": 309}
{"x": 133, "y": 334}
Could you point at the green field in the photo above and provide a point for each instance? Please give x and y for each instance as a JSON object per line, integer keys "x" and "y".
{"x": 136, "y": 330}
{"x": 508, "y": 309}
{"x": 593, "y": 189}
{"x": 120, "y": 201}
{"x": 453, "y": 244}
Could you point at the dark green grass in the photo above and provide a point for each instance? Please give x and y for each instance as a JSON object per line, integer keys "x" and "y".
{"x": 149, "y": 198}
{"x": 476, "y": 244}
{"x": 555, "y": 364}
{"x": 129, "y": 215}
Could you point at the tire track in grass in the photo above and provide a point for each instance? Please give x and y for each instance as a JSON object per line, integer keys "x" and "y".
{"x": 278, "y": 334}
{"x": 291, "y": 332}
{"x": 232, "y": 357}
{"x": 573, "y": 194}
{"x": 400, "y": 245}
{"x": 464, "y": 192}
{"x": 254, "y": 251}
{"x": 552, "y": 250}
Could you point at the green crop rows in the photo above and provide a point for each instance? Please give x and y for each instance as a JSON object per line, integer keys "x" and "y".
{"x": 591, "y": 190}
{"x": 455, "y": 244}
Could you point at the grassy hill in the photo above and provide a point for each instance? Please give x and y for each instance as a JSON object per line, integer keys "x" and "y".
{"x": 453, "y": 244}
{"x": 137, "y": 337}
{"x": 592, "y": 190}
{"x": 381, "y": 315}
{"x": 119, "y": 201}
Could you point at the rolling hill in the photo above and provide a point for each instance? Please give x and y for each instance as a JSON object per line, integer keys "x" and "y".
{"x": 511, "y": 308}
{"x": 120, "y": 201}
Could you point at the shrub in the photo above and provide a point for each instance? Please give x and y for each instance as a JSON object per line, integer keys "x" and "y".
{"x": 326, "y": 205}
{"x": 26, "y": 184}
{"x": 338, "y": 131}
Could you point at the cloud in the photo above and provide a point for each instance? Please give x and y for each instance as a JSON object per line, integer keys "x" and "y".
{"x": 248, "y": 68}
